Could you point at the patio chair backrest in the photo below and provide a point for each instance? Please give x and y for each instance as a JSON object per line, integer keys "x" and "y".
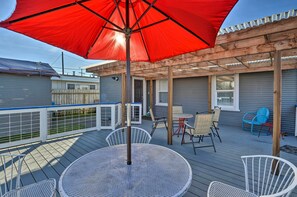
{"x": 10, "y": 173}
{"x": 119, "y": 136}
{"x": 177, "y": 109}
{"x": 264, "y": 180}
{"x": 216, "y": 115}
{"x": 202, "y": 125}
{"x": 263, "y": 115}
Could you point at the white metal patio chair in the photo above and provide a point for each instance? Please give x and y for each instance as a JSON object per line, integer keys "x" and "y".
{"x": 201, "y": 129}
{"x": 218, "y": 189}
{"x": 264, "y": 180}
{"x": 158, "y": 122}
{"x": 10, "y": 180}
{"x": 119, "y": 136}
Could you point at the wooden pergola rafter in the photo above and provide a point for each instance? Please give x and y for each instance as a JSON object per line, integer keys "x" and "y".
{"x": 237, "y": 52}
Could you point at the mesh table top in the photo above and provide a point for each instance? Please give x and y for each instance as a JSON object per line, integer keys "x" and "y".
{"x": 155, "y": 171}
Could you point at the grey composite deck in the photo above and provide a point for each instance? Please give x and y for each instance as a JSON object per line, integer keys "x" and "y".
{"x": 48, "y": 160}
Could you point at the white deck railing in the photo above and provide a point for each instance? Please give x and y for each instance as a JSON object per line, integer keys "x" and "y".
{"x": 31, "y": 124}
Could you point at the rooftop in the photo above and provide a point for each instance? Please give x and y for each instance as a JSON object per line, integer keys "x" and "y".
{"x": 23, "y": 67}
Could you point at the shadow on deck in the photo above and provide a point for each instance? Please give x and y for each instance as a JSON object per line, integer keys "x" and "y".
{"x": 48, "y": 160}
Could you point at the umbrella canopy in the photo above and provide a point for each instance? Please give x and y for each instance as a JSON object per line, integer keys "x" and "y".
{"x": 92, "y": 28}
{"x": 131, "y": 30}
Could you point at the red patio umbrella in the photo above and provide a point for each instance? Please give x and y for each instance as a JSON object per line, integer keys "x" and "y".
{"x": 131, "y": 30}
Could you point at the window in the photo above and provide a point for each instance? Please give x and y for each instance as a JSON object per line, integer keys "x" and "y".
{"x": 161, "y": 92}
{"x": 82, "y": 87}
{"x": 92, "y": 87}
{"x": 225, "y": 92}
{"x": 79, "y": 86}
{"x": 70, "y": 86}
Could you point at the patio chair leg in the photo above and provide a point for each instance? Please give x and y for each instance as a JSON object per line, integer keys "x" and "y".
{"x": 166, "y": 126}
{"x": 193, "y": 145}
{"x": 216, "y": 133}
{"x": 200, "y": 139}
{"x": 154, "y": 128}
{"x": 260, "y": 130}
{"x": 183, "y": 139}
{"x": 214, "y": 148}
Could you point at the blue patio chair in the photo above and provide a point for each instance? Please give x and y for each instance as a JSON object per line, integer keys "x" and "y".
{"x": 255, "y": 118}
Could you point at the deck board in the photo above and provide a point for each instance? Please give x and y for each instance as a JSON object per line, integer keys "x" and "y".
{"x": 49, "y": 160}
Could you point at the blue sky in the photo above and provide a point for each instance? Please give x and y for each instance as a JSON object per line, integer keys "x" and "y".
{"x": 16, "y": 46}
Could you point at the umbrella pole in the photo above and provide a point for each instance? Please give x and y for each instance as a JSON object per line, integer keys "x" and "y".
{"x": 128, "y": 83}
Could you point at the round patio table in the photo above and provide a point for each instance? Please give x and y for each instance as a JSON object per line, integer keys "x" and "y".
{"x": 184, "y": 116}
{"x": 104, "y": 172}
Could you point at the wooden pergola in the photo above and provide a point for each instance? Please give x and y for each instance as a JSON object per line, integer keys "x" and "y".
{"x": 268, "y": 47}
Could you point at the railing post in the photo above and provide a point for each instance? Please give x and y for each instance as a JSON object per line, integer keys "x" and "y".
{"x": 120, "y": 113}
{"x": 98, "y": 117}
{"x": 43, "y": 124}
{"x": 113, "y": 117}
{"x": 140, "y": 113}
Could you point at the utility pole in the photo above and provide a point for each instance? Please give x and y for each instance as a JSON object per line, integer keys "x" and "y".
{"x": 62, "y": 63}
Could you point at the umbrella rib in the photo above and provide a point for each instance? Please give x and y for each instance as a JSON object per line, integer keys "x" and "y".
{"x": 141, "y": 34}
{"x": 178, "y": 23}
{"x": 117, "y": 7}
{"x": 143, "y": 14}
{"x": 100, "y": 33}
{"x": 113, "y": 29}
{"x": 46, "y": 11}
{"x": 101, "y": 17}
{"x": 152, "y": 24}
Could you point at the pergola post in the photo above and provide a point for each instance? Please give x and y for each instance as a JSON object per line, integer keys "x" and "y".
{"x": 123, "y": 99}
{"x": 209, "y": 94}
{"x": 151, "y": 94}
{"x": 170, "y": 103}
{"x": 277, "y": 93}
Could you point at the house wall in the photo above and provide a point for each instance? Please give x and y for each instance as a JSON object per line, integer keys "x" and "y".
{"x": 61, "y": 95}
{"x": 191, "y": 93}
{"x": 255, "y": 91}
{"x": 289, "y": 100}
{"x": 19, "y": 90}
{"x": 110, "y": 90}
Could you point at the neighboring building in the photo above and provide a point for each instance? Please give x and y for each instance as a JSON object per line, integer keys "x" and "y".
{"x": 68, "y": 89}
{"x": 247, "y": 90}
{"x": 25, "y": 83}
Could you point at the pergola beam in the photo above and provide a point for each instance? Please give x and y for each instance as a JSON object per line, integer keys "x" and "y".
{"x": 260, "y": 67}
{"x": 170, "y": 104}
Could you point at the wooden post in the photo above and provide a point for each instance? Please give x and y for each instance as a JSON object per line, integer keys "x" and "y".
{"x": 209, "y": 94}
{"x": 277, "y": 90}
{"x": 151, "y": 94}
{"x": 170, "y": 103}
{"x": 123, "y": 99}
